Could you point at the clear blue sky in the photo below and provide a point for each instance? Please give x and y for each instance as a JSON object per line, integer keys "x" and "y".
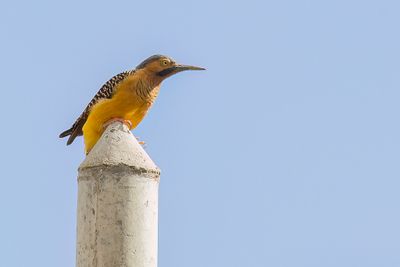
{"x": 284, "y": 153}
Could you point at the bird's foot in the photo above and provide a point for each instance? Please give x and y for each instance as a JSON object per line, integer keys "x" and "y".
{"x": 143, "y": 143}
{"x": 126, "y": 122}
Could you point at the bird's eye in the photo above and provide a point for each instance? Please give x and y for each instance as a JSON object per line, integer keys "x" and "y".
{"x": 164, "y": 62}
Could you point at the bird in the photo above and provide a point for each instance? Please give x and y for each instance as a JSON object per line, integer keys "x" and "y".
{"x": 126, "y": 97}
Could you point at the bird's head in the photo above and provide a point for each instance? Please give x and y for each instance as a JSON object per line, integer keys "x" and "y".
{"x": 163, "y": 67}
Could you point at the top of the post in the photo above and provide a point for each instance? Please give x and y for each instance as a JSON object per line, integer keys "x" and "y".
{"x": 118, "y": 146}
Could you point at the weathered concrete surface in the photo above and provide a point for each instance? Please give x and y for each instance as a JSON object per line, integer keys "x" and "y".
{"x": 117, "y": 222}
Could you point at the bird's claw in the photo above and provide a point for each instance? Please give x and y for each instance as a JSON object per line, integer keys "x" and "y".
{"x": 128, "y": 123}
{"x": 142, "y": 143}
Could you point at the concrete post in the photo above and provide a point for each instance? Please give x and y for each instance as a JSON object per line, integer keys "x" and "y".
{"x": 117, "y": 217}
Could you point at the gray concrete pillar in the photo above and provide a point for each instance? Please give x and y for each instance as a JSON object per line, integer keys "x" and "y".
{"x": 117, "y": 221}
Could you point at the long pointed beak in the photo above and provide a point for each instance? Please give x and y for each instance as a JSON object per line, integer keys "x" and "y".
{"x": 180, "y": 68}
{"x": 177, "y": 68}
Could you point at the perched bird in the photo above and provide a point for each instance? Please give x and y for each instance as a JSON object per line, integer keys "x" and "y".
{"x": 126, "y": 97}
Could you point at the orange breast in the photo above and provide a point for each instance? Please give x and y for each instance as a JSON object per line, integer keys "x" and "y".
{"x": 126, "y": 104}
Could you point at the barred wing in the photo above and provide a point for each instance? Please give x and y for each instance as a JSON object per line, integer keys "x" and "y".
{"x": 105, "y": 92}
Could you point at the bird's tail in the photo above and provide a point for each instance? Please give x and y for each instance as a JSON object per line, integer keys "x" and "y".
{"x": 73, "y": 132}
{"x": 66, "y": 133}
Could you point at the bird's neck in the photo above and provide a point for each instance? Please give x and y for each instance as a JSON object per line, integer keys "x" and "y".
{"x": 149, "y": 78}
{"x": 147, "y": 86}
